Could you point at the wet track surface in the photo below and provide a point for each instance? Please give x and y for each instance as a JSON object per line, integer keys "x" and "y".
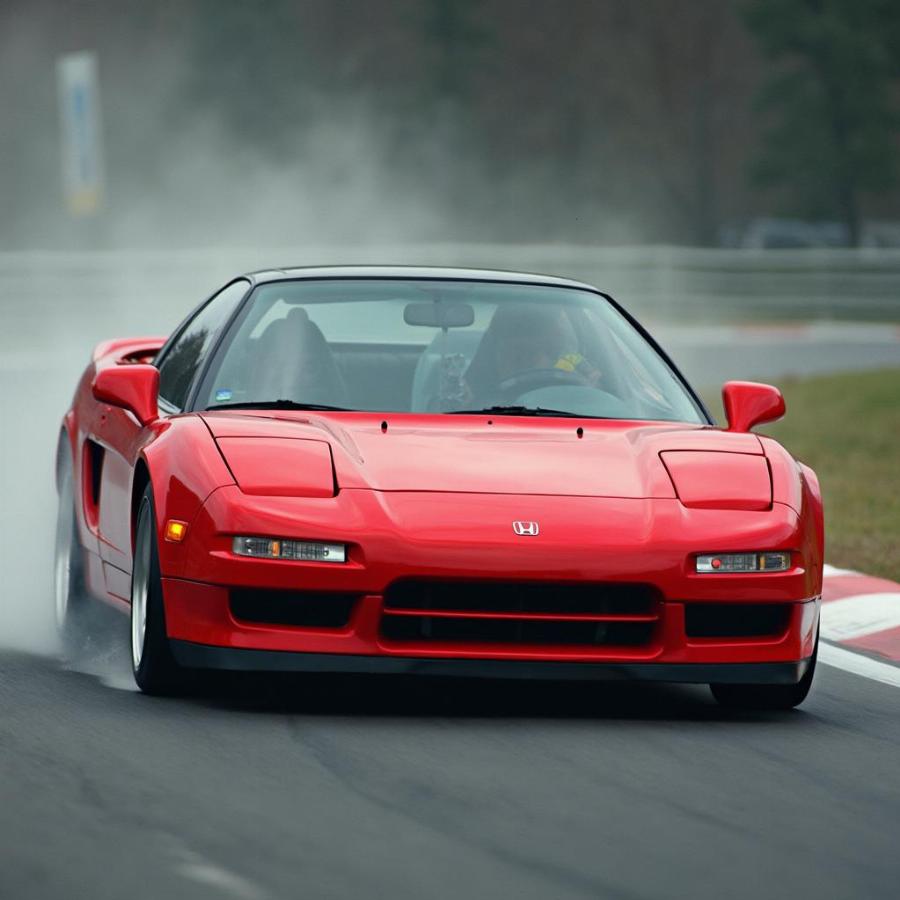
{"x": 333, "y": 788}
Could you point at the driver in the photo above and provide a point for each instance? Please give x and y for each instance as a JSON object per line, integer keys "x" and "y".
{"x": 524, "y": 338}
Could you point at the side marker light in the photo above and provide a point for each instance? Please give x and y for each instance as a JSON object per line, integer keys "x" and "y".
{"x": 175, "y": 531}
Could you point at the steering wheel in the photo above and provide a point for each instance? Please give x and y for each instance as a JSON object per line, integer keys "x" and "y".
{"x": 532, "y": 379}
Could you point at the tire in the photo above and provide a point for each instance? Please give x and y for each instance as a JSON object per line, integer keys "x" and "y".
{"x": 154, "y": 666}
{"x": 70, "y": 594}
{"x": 767, "y": 696}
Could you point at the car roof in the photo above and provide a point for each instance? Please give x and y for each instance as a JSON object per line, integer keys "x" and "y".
{"x": 419, "y": 272}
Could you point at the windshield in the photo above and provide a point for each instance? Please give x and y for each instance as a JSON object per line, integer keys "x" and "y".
{"x": 444, "y": 347}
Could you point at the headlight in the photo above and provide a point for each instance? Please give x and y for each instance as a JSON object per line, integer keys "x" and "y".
{"x": 744, "y": 562}
{"x": 275, "y": 548}
{"x": 712, "y": 479}
{"x": 280, "y": 467}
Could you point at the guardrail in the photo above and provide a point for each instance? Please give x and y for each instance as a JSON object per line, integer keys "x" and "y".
{"x": 664, "y": 283}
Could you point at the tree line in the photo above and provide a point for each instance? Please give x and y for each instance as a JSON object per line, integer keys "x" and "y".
{"x": 576, "y": 120}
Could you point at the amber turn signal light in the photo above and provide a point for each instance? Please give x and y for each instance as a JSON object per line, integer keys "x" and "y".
{"x": 175, "y": 531}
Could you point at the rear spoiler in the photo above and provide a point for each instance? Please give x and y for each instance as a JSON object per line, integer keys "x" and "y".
{"x": 139, "y": 349}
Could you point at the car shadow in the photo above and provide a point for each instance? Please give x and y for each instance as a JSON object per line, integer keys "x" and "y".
{"x": 386, "y": 696}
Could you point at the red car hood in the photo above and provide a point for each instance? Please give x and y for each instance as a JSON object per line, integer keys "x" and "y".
{"x": 465, "y": 454}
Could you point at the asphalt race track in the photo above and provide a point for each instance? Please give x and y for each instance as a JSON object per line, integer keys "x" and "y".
{"x": 279, "y": 788}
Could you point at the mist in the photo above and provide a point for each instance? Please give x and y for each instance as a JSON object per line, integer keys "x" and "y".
{"x": 30, "y": 404}
{"x": 349, "y": 124}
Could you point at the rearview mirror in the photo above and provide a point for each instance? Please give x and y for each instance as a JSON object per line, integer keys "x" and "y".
{"x": 439, "y": 314}
{"x": 748, "y": 403}
{"x": 132, "y": 387}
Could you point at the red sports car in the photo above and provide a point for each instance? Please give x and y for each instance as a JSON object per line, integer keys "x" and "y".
{"x": 402, "y": 470}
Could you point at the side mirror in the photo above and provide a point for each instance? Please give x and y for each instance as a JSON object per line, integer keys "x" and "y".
{"x": 748, "y": 403}
{"x": 133, "y": 387}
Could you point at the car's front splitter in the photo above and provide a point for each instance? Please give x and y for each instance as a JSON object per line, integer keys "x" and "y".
{"x": 204, "y": 656}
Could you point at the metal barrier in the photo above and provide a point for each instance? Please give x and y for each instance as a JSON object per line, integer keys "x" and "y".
{"x": 140, "y": 290}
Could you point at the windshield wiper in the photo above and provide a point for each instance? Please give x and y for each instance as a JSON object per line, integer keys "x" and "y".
{"x": 278, "y": 404}
{"x": 520, "y": 411}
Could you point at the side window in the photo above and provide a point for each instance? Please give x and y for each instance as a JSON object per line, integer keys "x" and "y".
{"x": 180, "y": 364}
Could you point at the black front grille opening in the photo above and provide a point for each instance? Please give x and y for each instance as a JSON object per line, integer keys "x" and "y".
{"x": 736, "y": 620}
{"x": 512, "y": 631}
{"x": 521, "y": 597}
{"x": 302, "y": 609}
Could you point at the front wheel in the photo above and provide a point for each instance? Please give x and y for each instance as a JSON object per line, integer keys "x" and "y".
{"x": 155, "y": 669}
{"x": 767, "y": 696}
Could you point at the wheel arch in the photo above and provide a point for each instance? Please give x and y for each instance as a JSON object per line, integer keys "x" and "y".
{"x": 183, "y": 466}
{"x": 138, "y": 486}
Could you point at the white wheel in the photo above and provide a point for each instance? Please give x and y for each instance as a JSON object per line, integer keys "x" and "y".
{"x": 155, "y": 669}
{"x": 140, "y": 581}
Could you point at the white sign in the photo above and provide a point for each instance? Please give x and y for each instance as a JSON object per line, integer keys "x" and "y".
{"x": 82, "y": 140}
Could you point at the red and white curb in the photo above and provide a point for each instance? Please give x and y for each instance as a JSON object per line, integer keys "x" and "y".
{"x": 860, "y": 625}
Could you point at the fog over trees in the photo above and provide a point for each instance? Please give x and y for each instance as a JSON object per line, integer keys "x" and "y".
{"x": 612, "y": 121}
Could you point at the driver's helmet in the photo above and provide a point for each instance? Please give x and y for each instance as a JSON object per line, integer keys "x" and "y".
{"x": 520, "y": 338}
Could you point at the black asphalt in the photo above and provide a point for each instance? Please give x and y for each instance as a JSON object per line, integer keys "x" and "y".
{"x": 279, "y": 787}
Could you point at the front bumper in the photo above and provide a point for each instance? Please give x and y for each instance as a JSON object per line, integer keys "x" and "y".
{"x": 458, "y": 537}
{"x": 199, "y": 622}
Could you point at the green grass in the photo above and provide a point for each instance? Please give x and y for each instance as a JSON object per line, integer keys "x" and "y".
{"x": 847, "y": 428}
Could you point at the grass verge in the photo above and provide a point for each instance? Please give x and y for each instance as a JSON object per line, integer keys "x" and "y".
{"x": 847, "y": 428}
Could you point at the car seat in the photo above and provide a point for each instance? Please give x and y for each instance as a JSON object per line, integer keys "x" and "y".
{"x": 295, "y": 363}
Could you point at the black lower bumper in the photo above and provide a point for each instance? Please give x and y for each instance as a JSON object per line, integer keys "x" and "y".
{"x": 203, "y": 656}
